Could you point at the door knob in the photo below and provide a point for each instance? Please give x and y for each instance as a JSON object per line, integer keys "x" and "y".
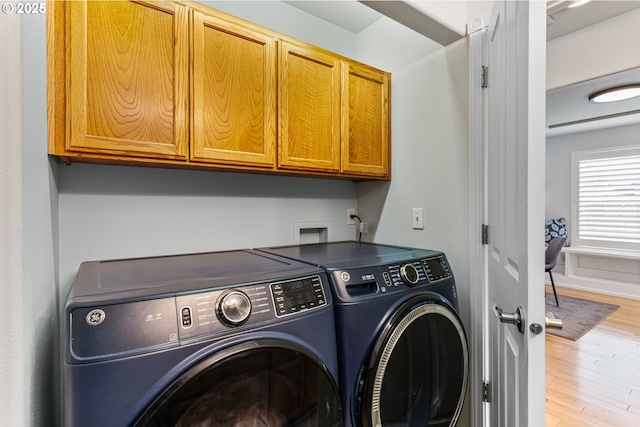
{"x": 516, "y": 318}
{"x": 549, "y": 322}
{"x": 552, "y": 322}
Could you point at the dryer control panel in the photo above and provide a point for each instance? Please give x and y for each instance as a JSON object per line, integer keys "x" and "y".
{"x": 436, "y": 268}
{"x": 390, "y": 278}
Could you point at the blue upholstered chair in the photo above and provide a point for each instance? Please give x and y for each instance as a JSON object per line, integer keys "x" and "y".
{"x": 551, "y": 260}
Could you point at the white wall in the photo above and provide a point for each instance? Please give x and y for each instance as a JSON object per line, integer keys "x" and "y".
{"x": 604, "y": 48}
{"x": 291, "y": 21}
{"x": 476, "y": 8}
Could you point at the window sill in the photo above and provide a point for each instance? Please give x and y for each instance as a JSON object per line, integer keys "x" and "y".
{"x": 609, "y": 253}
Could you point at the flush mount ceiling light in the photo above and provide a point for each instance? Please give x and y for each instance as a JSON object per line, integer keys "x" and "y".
{"x": 613, "y": 94}
{"x": 579, "y": 3}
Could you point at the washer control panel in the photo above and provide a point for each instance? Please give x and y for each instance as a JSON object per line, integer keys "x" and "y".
{"x": 294, "y": 296}
{"x": 131, "y": 327}
{"x": 213, "y": 312}
{"x": 107, "y": 331}
{"x": 234, "y": 308}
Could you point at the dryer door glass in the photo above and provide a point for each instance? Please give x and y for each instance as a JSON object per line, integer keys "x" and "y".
{"x": 250, "y": 385}
{"x": 417, "y": 374}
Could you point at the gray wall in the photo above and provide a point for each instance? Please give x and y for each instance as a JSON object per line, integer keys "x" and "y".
{"x": 430, "y": 154}
{"x": 39, "y": 212}
{"x": 109, "y": 212}
{"x": 81, "y": 212}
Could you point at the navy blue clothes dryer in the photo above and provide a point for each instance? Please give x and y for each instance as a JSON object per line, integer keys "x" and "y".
{"x": 403, "y": 351}
{"x": 227, "y": 338}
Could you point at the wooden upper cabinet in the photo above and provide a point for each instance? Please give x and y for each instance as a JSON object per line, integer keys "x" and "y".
{"x": 179, "y": 84}
{"x": 127, "y": 78}
{"x": 365, "y": 125}
{"x": 308, "y": 108}
{"x": 233, "y": 93}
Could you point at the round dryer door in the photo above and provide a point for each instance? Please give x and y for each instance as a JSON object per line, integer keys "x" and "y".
{"x": 253, "y": 384}
{"x": 417, "y": 373}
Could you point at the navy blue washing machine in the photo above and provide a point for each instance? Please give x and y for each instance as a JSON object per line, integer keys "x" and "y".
{"x": 235, "y": 338}
{"x": 403, "y": 351}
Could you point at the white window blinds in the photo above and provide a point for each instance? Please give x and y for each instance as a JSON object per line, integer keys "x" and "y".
{"x": 608, "y": 198}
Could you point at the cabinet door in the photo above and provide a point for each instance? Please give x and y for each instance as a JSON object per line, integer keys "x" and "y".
{"x": 127, "y": 78}
{"x": 366, "y": 121}
{"x": 309, "y": 108}
{"x": 233, "y": 93}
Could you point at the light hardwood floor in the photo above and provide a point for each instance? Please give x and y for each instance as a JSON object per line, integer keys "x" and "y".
{"x": 595, "y": 381}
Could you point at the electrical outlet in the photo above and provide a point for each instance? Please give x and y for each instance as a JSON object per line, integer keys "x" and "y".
{"x": 350, "y": 211}
{"x": 418, "y": 219}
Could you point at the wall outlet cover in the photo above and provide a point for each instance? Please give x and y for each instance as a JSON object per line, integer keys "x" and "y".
{"x": 418, "y": 218}
{"x": 350, "y": 211}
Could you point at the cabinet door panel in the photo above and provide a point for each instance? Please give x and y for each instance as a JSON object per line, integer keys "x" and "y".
{"x": 233, "y": 93}
{"x": 365, "y": 131}
{"x": 127, "y": 75}
{"x": 309, "y": 108}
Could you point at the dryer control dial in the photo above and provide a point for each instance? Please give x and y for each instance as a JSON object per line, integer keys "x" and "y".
{"x": 234, "y": 308}
{"x": 409, "y": 274}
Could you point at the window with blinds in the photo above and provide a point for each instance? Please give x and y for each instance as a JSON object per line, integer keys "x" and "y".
{"x": 607, "y": 208}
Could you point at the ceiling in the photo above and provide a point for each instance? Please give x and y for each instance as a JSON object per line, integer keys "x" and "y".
{"x": 351, "y": 15}
{"x": 567, "y": 107}
{"x": 562, "y": 20}
{"x": 355, "y": 16}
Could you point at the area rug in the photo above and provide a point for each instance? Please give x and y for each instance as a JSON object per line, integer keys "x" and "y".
{"x": 578, "y": 315}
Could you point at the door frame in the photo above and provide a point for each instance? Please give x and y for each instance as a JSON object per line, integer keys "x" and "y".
{"x": 478, "y": 292}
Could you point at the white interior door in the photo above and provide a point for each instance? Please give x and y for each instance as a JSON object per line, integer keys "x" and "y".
{"x": 515, "y": 213}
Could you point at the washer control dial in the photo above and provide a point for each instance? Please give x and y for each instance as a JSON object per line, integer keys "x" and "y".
{"x": 234, "y": 308}
{"x": 409, "y": 274}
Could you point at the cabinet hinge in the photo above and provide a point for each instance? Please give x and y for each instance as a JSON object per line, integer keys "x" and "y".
{"x": 485, "y": 393}
{"x": 485, "y": 234}
{"x": 484, "y": 78}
